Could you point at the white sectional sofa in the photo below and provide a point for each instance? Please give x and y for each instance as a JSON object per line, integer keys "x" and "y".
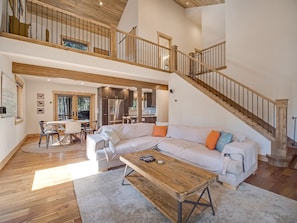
{"x": 234, "y": 163}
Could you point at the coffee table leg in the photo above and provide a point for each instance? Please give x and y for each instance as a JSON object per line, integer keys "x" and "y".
{"x": 126, "y": 174}
{"x": 179, "y": 212}
{"x": 197, "y": 203}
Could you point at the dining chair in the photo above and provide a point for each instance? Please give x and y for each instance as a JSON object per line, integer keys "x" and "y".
{"x": 48, "y": 132}
{"x": 72, "y": 129}
{"x": 89, "y": 128}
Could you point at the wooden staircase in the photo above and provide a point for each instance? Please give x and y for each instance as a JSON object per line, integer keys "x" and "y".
{"x": 266, "y": 116}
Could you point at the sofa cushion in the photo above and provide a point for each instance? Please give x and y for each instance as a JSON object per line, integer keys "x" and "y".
{"x": 136, "y": 144}
{"x": 224, "y": 139}
{"x": 192, "y": 134}
{"x": 160, "y": 131}
{"x": 126, "y": 131}
{"x": 212, "y": 139}
{"x": 192, "y": 152}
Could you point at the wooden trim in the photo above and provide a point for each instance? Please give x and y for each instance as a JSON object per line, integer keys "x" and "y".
{"x": 164, "y": 36}
{"x": 262, "y": 158}
{"x": 74, "y": 95}
{"x": 42, "y": 71}
{"x": 10, "y": 155}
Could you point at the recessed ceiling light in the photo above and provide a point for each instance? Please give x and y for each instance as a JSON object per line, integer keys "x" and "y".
{"x": 187, "y": 3}
{"x": 100, "y": 3}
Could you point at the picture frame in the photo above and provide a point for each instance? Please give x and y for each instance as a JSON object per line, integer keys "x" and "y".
{"x": 40, "y": 111}
{"x": 75, "y": 44}
{"x": 40, "y": 103}
{"x": 40, "y": 96}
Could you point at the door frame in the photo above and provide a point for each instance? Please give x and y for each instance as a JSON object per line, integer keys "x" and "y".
{"x": 75, "y": 94}
{"x": 162, "y": 36}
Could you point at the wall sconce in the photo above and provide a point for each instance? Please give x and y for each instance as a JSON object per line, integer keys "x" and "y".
{"x": 171, "y": 91}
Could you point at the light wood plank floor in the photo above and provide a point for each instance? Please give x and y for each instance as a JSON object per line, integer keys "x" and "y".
{"x": 23, "y": 201}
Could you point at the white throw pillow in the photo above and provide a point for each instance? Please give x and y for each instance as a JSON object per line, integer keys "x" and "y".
{"x": 112, "y": 136}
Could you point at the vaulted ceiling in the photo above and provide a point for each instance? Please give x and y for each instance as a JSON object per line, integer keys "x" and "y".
{"x": 109, "y": 12}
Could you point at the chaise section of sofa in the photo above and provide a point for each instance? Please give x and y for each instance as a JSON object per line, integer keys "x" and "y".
{"x": 236, "y": 161}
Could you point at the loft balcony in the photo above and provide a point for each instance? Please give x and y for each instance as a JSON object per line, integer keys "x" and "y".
{"x": 44, "y": 24}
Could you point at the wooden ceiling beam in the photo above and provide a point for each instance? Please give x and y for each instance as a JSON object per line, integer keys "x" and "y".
{"x": 42, "y": 71}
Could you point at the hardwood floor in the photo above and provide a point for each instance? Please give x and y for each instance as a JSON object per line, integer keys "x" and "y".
{"x": 23, "y": 199}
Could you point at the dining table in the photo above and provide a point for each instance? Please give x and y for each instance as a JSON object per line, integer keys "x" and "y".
{"x": 56, "y": 124}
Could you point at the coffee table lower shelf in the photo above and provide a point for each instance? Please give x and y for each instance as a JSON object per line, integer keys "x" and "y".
{"x": 165, "y": 203}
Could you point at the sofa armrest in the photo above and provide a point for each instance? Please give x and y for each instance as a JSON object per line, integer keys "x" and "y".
{"x": 95, "y": 142}
{"x": 247, "y": 149}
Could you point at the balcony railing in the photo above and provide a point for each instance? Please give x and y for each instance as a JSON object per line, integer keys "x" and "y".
{"x": 50, "y": 25}
{"x": 213, "y": 56}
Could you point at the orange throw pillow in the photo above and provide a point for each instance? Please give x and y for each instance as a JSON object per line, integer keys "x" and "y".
{"x": 212, "y": 139}
{"x": 160, "y": 131}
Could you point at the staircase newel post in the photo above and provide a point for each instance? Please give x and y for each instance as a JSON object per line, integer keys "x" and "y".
{"x": 113, "y": 42}
{"x": 281, "y": 128}
{"x": 173, "y": 58}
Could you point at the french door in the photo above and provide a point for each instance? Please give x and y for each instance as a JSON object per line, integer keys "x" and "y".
{"x": 77, "y": 106}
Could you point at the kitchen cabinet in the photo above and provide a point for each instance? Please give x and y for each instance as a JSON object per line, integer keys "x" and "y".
{"x": 105, "y": 94}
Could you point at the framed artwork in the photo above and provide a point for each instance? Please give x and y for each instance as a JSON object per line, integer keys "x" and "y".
{"x": 76, "y": 44}
{"x": 40, "y": 96}
{"x": 40, "y": 110}
{"x": 40, "y": 103}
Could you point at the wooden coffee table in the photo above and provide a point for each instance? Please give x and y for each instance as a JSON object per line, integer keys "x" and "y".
{"x": 174, "y": 187}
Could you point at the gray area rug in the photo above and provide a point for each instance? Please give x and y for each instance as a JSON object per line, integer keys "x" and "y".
{"x": 102, "y": 198}
{"x": 55, "y": 148}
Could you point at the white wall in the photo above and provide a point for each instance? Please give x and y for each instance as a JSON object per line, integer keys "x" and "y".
{"x": 10, "y": 133}
{"x": 188, "y": 106}
{"x": 34, "y": 87}
{"x": 167, "y": 17}
{"x": 261, "y": 48}
{"x": 129, "y": 18}
{"x": 212, "y": 24}
{"x": 162, "y": 105}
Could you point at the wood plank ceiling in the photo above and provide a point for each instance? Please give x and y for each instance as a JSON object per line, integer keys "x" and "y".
{"x": 197, "y": 3}
{"x": 109, "y": 12}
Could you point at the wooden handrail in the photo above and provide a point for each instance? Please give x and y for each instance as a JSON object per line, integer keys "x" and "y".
{"x": 227, "y": 77}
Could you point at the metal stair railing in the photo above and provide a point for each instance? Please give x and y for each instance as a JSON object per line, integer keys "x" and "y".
{"x": 253, "y": 105}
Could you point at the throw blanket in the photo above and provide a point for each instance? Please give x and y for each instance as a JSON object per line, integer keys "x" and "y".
{"x": 247, "y": 149}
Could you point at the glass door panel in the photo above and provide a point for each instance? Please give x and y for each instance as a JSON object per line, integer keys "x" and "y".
{"x": 64, "y": 107}
{"x": 83, "y": 107}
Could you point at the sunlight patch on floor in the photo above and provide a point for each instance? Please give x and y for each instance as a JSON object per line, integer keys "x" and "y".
{"x": 62, "y": 174}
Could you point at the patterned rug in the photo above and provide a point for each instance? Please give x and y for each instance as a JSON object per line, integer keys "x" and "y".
{"x": 102, "y": 198}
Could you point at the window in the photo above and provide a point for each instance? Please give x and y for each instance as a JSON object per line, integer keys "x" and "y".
{"x": 20, "y": 104}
